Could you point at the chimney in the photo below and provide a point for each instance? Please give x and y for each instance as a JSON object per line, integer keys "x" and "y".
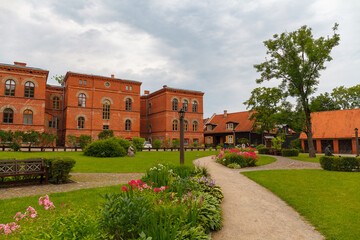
{"x": 20, "y": 64}
{"x": 112, "y": 75}
{"x": 146, "y": 92}
{"x": 225, "y": 113}
{"x": 165, "y": 86}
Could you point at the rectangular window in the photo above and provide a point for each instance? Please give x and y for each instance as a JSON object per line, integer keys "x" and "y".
{"x": 209, "y": 140}
{"x": 80, "y": 81}
{"x": 230, "y": 139}
{"x": 130, "y": 88}
{"x": 209, "y": 127}
{"x": 84, "y": 82}
{"x": 127, "y": 87}
{"x": 186, "y": 141}
{"x": 229, "y": 126}
{"x": 195, "y": 140}
{"x": 105, "y": 127}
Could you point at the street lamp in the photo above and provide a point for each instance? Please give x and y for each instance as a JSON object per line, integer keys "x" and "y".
{"x": 357, "y": 141}
{"x": 181, "y": 116}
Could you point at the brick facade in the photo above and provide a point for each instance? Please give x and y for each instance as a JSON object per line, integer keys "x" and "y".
{"x": 158, "y": 115}
{"x": 88, "y": 104}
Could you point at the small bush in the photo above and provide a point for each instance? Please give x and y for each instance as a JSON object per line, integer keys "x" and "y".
{"x": 234, "y": 165}
{"x": 157, "y": 143}
{"x": 260, "y": 146}
{"x": 264, "y": 151}
{"x": 346, "y": 164}
{"x": 296, "y": 144}
{"x": 290, "y": 152}
{"x": 138, "y": 143}
{"x": 124, "y": 143}
{"x": 105, "y": 134}
{"x": 195, "y": 144}
{"x": 59, "y": 169}
{"x": 105, "y": 148}
{"x": 176, "y": 143}
{"x": 84, "y": 140}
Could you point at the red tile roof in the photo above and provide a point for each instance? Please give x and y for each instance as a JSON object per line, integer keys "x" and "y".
{"x": 245, "y": 125}
{"x": 334, "y": 124}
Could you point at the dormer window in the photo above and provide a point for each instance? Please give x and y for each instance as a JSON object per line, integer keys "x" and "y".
{"x": 209, "y": 127}
{"x": 229, "y": 126}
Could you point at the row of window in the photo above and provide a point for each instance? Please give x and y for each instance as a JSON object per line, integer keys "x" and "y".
{"x": 106, "y": 104}
{"x": 10, "y": 88}
{"x": 8, "y": 116}
{"x": 81, "y": 124}
{"x": 185, "y": 103}
{"x": 175, "y": 125}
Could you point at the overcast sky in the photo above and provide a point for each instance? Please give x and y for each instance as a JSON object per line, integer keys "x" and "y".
{"x": 209, "y": 46}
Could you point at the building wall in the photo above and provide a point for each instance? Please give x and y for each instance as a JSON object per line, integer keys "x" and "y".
{"x": 19, "y": 103}
{"x": 97, "y": 90}
{"x": 52, "y": 112}
{"x": 161, "y": 115}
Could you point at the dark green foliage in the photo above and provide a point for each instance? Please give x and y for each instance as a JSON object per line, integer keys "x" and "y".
{"x": 105, "y": 148}
{"x": 296, "y": 144}
{"x": 175, "y": 143}
{"x": 290, "y": 152}
{"x": 183, "y": 171}
{"x": 47, "y": 139}
{"x": 106, "y": 134}
{"x": 138, "y": 143}
{"x": 15, "y": 146}
{"x": 72, "y": 140}
{"x": 344, "y": 164}
{"x": 243, "y": 141}
{"x": 84, "y": 140}
{"x": 210, "y": 213}
{"x": 264, "y": 151}
{"x": 31, "y": 137}
{"x": 59, "y": 169}
{"x": 157, "y": 143}
{"x": 124, "y": 143}
{"x": 123, "y": 213}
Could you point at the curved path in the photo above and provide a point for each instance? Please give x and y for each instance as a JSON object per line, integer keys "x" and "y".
{"x": 253, "y": 212}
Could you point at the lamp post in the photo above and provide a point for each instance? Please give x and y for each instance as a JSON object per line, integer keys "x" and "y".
{"x": 357, "y": 141}
{"x": 181, "y": 116}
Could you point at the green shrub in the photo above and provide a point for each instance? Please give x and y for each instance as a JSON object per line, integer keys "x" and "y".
{"x": 157, "y": 143}
{"x": 105, "y": 148}
{"x": 72, "y": 140}
{"x": 219, "y": 147}
{"x": 290, "y": 152}
{"x": 159, "y": 175}
{"x": 183, "y": 171}
{"x": 84, "y": 140}
{"x": 210, "y": 213}
{"x": 195, "y": 144}
{"x": 175, "y": 142}
{"x": 234, "y": 165}
{"x": 105, "y": 134}
{"x": 264, "y": 151}
{"x": 124, "y": 143}
{"x": 59, "y": 169}
{"x": 346, "y": 164}
{"x": 296, "y": 144}
{"x": 260, "y": 146}
{"x": 138, "y": 143}
{"x": 15, "y": 146}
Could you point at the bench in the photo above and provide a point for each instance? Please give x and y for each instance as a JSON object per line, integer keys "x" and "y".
{"x": 25, "y": 167}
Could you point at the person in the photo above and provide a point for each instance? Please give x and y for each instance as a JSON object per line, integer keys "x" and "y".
{"x": 328, "y": 151}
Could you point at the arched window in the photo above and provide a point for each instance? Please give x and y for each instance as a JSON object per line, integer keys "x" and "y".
{"x": 81, "y": 123}
{"x": 56, "y": 103}
{"x": 174, "y": 104}
{"x": 186, "y": 124}
{"x": 128, "y": 104}
{"x": 106, "y": 110}
{"x": 195, "y": 106}
{"x": 82, "y": 100}
{"x": 175, "y": 125}
{"x": 195, "y": 126}
{"x": 54, "y": 122}
{"x": 28, "y": 117}
{"x": 8, "y": 115}
{"x": 185, "y": 105}
{"x": 10, "y": 88}
{"x": 29, "y": 89}
{"x": 128, "y": 125}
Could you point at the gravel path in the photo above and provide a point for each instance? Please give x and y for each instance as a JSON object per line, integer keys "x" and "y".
{"x": 82, "y": 180}
{"x": 253, "y": 212}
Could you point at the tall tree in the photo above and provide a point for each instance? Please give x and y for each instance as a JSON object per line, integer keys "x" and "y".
{"x": 341, "y": 97}
{"x": 264, "y": 104}
{"x": 297, "y": 59}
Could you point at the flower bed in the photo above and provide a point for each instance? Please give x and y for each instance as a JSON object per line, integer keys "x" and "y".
{"x": 237, "y": 158}
{"x": 186, "y": 207}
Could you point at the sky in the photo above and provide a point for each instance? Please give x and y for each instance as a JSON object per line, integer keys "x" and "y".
{"x": 209, "y": 46}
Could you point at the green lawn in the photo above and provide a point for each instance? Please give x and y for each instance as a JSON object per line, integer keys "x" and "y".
{"x": 305, "y": 157}
{"x": 142, "y": 161}
{"x": 84, "y": 198}
{"x": 265, "y": 160}
{"x": 329, "y": 200}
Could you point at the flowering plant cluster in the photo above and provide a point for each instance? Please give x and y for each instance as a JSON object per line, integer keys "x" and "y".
{"x": 29, "y": 214}
{"x": 141, "y": 186}
{"x": 238, "y": 156}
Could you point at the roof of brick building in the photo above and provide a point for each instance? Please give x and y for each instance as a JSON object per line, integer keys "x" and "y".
{"x": 242, "y": 118}
{"x": 334, "y": 124}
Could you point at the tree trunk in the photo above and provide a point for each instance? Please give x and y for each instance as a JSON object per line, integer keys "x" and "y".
{"x": 312, "y": 153}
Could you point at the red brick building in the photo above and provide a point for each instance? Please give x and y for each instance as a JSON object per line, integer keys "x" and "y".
{"x": 334, "y": 128}
{"x": 88, "y": 104}
{"x": 160, "y": 118}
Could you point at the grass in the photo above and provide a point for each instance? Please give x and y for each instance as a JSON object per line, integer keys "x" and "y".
{"x": 305, "y": 157}
{"x": 329, "y": 200}
{"x": 265, "y": 160}
{"x": 84, "y": 198}
{"x": 140, "y": 163}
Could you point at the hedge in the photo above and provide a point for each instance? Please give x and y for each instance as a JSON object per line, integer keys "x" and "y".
{"x": 111, "y": 147}
{"x": 289, "y": 152}
{"x": 59, "y": 169}
{"x": 264, "y": 151}
{"x": 345, "y": 164}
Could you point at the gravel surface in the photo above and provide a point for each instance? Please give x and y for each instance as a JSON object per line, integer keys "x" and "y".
{"x": 253, "y": 212}
{"x": 81, "y": 180}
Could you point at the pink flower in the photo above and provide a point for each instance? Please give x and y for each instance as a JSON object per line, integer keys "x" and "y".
{"x": 124, "y": 189}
